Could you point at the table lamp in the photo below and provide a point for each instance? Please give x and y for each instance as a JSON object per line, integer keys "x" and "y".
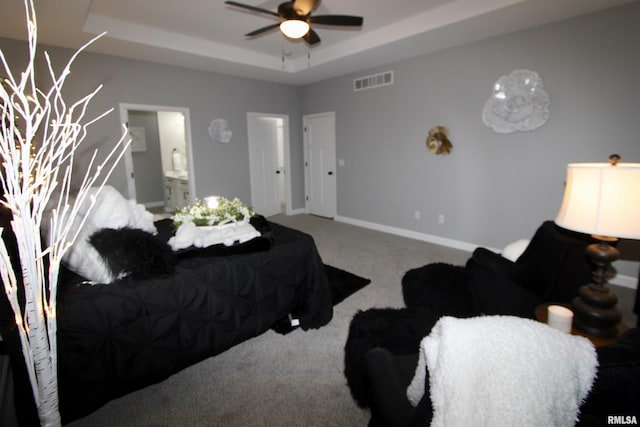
{"x": 601, "y": 199}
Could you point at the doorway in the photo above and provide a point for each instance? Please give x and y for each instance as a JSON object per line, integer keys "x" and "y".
{"x": 157, "y": 161}
{"x": 269, "y": 163}
{"x": 320, "y": 164}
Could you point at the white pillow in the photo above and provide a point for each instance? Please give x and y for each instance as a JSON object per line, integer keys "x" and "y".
{"x": 513, "y": 250}
{"x": 114, "y": 211}
{"x": 110, "y": 211}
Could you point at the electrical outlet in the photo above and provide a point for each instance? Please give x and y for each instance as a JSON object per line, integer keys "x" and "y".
{"x": 441, "y": 218}
{"x": 416, "y": 214}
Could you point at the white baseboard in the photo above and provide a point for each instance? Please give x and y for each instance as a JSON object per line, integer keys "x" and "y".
{"x": 450, "y": 243}
{"x": 157, "y": 204}
{"x": 299, "y": 211}
{"x": 619, "y": 280}
{"x": 625, "y": 281}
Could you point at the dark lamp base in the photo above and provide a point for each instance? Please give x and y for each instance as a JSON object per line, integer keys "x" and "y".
{"x": 595, "y": 312}
{"x": 594, "y": 308}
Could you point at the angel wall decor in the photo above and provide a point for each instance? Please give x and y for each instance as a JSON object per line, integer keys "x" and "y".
{"x": 438, "y": 140}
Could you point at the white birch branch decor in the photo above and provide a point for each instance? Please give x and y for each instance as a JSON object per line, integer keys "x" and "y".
{"x": 40, "y": 134}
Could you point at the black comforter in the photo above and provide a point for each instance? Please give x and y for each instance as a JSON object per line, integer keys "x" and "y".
{"x": 117, "y": 338}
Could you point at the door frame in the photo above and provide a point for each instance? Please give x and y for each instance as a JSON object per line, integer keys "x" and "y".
{"x": 251, "y": 116}
{"x": 128, "y": 157}
{"x": 307, "y": 180}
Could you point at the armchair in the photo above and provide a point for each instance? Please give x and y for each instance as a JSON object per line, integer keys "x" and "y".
{"x": 614, "y": 391}
{"x": 552, "y": 268}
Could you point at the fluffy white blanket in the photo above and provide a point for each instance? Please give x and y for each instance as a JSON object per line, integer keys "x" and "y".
{"x": 228, "y": 234}
{"x": 503, "y": 371}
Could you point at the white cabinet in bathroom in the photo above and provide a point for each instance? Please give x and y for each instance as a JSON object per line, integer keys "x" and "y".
{"x": 176, "y": 190}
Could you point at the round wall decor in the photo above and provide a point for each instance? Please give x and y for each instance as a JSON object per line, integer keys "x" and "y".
{"x": 518, "y": 103}
{"x": 219, "y": 131}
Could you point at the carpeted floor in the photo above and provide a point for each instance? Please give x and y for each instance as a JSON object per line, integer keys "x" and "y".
{"x": 285, "y": 380}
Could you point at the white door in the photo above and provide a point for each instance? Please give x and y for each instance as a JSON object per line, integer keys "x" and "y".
{"x": 263, "y": 134}
{"x": 320, "y": 163}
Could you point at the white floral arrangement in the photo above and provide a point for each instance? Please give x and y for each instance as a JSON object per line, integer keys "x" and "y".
{"x": 213, "y": 211}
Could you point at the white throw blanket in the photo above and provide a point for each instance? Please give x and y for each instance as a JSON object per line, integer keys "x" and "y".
{"x": 201, "y": 237}
{"x": 503, "y": 371}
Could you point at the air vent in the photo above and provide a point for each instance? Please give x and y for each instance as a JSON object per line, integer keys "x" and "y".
{"x": 375, "y": 80}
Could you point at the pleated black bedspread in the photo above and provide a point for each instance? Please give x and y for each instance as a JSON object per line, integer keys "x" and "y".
{"x": 117, "y": 338}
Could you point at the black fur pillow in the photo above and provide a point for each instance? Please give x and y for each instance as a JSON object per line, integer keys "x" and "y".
{"x": 131, "y": 251}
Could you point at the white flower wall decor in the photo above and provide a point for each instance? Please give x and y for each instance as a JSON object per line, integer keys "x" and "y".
{"x": 219, "y": 131}
{"x": 518, "y": 103}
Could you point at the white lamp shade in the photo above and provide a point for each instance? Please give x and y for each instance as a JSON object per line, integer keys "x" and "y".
{"x": 294, "y": 28}
{"x": 602, "y": 199}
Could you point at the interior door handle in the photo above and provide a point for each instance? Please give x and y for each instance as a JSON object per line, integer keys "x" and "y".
{"x": 330, "y": 173}
{"x": 278, "y": 172}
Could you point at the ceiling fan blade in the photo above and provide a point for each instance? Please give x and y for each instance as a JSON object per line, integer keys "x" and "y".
{"x": 345, "y": 20}
{"x": 311, "y": 37}
{"x": 262, "y": 30}
{"x": 304, "y": 7}
{"x": 252, "y": 8}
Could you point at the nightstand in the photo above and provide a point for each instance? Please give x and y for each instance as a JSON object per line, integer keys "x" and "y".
{"x": 541, "y": 316}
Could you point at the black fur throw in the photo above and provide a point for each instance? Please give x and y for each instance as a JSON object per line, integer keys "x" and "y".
{"x": 131, "y": 251}
{"x": 441, "y": 287}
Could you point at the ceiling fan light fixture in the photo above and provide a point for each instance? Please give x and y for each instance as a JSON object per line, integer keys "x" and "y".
{"x": 294, "y": 28}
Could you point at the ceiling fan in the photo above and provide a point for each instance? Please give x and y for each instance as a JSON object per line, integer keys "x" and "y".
{"x": 296, "y": 19}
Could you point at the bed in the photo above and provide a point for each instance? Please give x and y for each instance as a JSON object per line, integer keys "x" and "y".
{"x": 119, "y": 337}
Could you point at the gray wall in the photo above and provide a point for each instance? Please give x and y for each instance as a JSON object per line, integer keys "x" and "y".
{"x": 493, "y": 188}
{"x": 221, "y": 169}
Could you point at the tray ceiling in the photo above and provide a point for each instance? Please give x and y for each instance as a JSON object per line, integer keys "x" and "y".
{"x": 209, "y": 35}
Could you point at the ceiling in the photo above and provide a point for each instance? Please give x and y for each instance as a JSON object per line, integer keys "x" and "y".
{"x": 209, "y": 35}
